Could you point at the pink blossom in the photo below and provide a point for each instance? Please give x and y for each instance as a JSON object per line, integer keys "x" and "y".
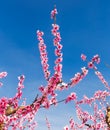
{"x": 71, "y": 97}
{"x": 18, "y": 95}
{"x": 72, "y": 124}
{"x": 98, "y": 126}
{"x": 66, "y": 127}
{"x": 3, "y": 74}
{"x": 74, "y": 81}
{"x": 43, "y": 55}
{"x": 55, "y": 29}
{"x": 3, "y": 105}
{"x": 78, "y": 77}
{"x": 46, "y": 104}
{"x": 53, "y": 101}
{"x": 53, "y": 13}
{"x": 62, "y": 86}
{"x": 41, "y": 89}
{"x": 87, "y": 100}
{"x": 58, "y": 68}
{"x": 100, "y": 76}
{"x": 58, "y": 52}
{"x": 83, "y": 57}
{"x": 58, "y": 60}
{"x": 96, "y": 59}
{"x": 90, "y": 65}
{"x": 39, "y": 33}
{"x": 56, "y": 41}
{"x": 85, "y": 71}
{"x": 59, "y": 46}
{"x": 48, "y": 95}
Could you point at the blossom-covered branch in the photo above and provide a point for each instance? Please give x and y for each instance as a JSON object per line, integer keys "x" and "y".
{"x": 17, "y": 116}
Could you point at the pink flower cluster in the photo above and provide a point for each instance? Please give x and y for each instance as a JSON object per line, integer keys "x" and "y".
{"x": 87, "y": 100}
{"x": 71, "y": 97}
{"x": 43, "y": 54}
{"x": 72, "y": 124}
{"x": 14, "y": 101}
{"x": 55, "y": 82}
{"x": 83, "y": 57}
{"x": 53, "y": 100}
{"x": 96, "y": 59}
{"x": 20, "y": 87}
{"x": 101, "y": 94}
{"x": 19, "y": 116}
{"x": 2, "y": 75}
{"x": 53, "y": 13}
{"x": 98, "y": 95}
{"x": 52, "y": 85}
{"x": 32, "y": 126}
{"x": 66, "y": 127}
{"x": 3, "y": 105}
{"x": 98, "y": 115}
{"x": 13, "y": 116}
{"x": 100, "y": 76}
{"x": 79, "y": 76}
{"x": 56, "y": 41}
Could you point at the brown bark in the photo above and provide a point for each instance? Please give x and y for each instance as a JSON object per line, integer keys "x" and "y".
{"x": 9, "y": 111}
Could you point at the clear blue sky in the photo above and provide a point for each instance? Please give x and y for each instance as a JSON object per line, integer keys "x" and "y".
{"x": 85, "y": 28}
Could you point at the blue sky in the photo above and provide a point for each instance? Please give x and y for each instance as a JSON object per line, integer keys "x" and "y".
{"x": 84, "y": 27}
